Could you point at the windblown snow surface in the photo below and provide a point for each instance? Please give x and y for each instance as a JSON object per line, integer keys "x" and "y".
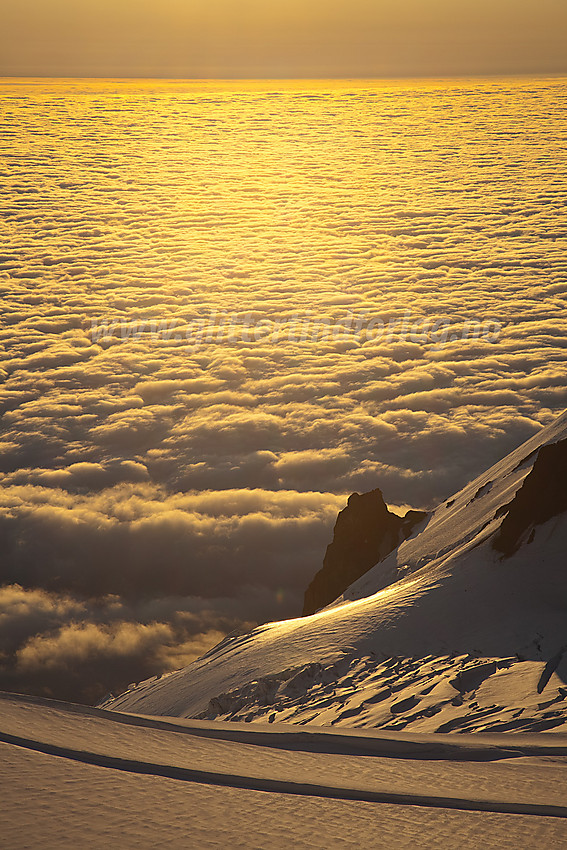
{"x": 461, "y": 629}
{"x": 79, "y": 777}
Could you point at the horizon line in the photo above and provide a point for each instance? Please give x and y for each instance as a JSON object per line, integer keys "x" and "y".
{"x": 380, "y": 77}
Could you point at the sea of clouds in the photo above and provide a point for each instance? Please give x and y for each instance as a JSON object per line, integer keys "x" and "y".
{"x": 225, "y": 307}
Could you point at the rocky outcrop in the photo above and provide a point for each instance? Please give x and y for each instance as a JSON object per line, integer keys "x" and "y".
{"x": 365, "y": 532}
{"x": 542, "y": 496}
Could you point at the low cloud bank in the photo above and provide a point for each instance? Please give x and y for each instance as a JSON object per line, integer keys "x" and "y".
{"x": 108, "y": 587}
{"x": 58, "y": 645}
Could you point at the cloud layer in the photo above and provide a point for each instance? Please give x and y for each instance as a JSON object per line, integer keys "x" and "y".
{"x": 157, "y": 442}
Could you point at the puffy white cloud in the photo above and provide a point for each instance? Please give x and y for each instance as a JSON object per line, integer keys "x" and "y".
{"x": 140, "y": 541}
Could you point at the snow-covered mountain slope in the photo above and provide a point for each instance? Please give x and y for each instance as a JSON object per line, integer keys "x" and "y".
{"x": 75, "y": 776}
{"x": 463, "y": 626}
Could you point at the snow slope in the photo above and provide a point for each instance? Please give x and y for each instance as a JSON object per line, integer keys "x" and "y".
{"x": 74, "y": 776}
{"x": 445, "y": 634}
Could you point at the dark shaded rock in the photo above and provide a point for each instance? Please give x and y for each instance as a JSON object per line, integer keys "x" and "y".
{"x": 365, "y": 532}
{"x": 542, "y": 496}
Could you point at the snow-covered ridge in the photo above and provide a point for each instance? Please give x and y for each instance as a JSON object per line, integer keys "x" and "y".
{"x": 412, "y": 629}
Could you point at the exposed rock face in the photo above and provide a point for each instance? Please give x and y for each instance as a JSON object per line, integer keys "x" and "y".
{"x": 365, "y": 532}
{"x": 542, "y": 496}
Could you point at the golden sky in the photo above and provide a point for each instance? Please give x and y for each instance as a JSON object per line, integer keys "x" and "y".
{"x": 282, "y": 38}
